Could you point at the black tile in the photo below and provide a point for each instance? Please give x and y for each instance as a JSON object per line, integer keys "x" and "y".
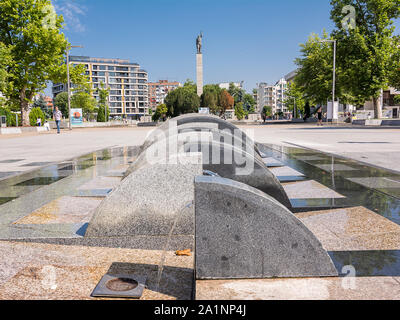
{"x": 300, "y": 205}
{"x": 5, "y": 200}
{"x": 40, "y": 181}
{"x": 391, "y": 192}
{"x": 8, "y": 174}
{"x": 11, "y": 161}
{"x": 93, "y": 193}
{"x": 36, "y": 164}
{"x": 284, "y": 179}
{"x": 384, "y": 263}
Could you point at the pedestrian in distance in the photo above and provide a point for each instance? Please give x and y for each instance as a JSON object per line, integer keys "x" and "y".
{"x": 57, "y": 116}
{"x": 39, "y": 122}
{"x": 319, "y": 112}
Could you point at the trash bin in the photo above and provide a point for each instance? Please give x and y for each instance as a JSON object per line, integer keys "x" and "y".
{"x": 3, "y": 121}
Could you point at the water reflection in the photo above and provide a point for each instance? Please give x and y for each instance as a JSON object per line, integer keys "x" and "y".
{"x": 368, "y": 263}
{"x": 386, "y": 204}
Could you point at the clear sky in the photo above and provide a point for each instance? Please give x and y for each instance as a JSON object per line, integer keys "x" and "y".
{"x": 244, "y": 40}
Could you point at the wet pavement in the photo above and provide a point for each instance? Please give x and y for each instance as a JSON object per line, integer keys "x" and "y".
{"x": 352, "y": 208}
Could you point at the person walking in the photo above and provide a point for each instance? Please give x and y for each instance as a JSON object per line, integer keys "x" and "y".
{"x": 57, "y": 116}
{"x": 319, "y": 112}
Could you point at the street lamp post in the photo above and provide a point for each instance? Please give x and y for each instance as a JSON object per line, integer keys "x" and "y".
{"x": 68, "y": 85}
{"x": 334, "y": 69}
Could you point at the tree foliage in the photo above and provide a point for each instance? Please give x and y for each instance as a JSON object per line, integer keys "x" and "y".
{"x": 42, "y": 104}
{"x": 239, "y": 111}
{"x": 210, "y": 98}
{"x": 249, "y": 103}
{"x": 367, "y": 52}
{"x": 31, "y": 29}
{"x": 103, "y": 112}
{"x": 295, "y": 98}
{"x": 237, "y": 93}
{"x": 266, "y": 112}
{"x": 183, "y": 100}
{"x": 61, "y": 101}
{"x": 5, "y": 65}
{"x": 83, "y": 100}
{"x": 314, "y": 77}
{"x": 35, "y": 114}
{"x": 226, "y": 101}
{"x": 161, "y": 112}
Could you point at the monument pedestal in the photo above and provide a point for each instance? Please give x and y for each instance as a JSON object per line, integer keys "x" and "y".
{"x": 199, "y": 69}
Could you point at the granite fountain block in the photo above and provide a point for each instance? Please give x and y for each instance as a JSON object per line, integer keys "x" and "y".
{"x": 241, "y": 165}
{"x": 195, "y": 122}
{"x": 166, "y": 150}
{"x": 151, "y": 201}
{"x": 229, "y": 160}
{"x": 242, "y": 233}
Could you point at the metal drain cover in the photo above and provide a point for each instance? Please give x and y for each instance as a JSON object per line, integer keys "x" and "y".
{"x": 120, "y": 286}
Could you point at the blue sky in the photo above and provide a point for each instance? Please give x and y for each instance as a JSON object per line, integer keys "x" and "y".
{"x": 244, "y": 40}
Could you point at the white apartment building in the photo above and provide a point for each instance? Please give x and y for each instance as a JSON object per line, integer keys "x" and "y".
{"x": 225, "y": 85}
{"x": 272, "y": 96}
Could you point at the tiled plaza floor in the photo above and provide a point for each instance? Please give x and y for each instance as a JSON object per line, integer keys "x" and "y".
{"x": 352, "y": 208}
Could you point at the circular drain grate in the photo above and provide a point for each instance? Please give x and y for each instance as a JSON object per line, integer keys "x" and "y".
{"x": 121, "y": 284}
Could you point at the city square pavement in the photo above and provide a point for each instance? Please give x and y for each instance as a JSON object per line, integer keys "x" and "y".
{"x": 376, "y": 146}
{"x": 343, "y": 184}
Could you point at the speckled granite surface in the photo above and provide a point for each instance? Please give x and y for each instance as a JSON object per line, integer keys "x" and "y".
{"x": 31, "y": 270}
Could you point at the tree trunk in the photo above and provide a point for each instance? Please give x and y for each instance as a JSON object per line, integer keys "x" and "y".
{"x": 377, "y": 107}
{"x": 24, "y": 108}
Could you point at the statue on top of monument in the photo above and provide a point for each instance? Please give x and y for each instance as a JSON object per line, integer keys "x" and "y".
{"x": 199, "y": 42}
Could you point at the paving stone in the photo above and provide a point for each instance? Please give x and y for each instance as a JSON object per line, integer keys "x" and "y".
{"x": 63, "y": 210}
{"x": 309, "y": 190}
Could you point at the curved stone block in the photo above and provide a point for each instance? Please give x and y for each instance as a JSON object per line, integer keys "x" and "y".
{"x": 242, "y": 233}
{"x": 239, "y": 165}
{"x": 150, "y": 201}
{"x": 166, "y": 150}
{"x": 195, "y": 121}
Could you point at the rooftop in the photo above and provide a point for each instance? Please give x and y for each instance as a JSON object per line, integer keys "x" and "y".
{"x": 102, "y": 60}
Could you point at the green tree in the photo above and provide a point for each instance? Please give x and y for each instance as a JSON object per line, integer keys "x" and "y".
{"x": 249, "y": 103}
{"x": 183, "y": 100}
{"x": 35, "y": 114}
{"x": 161, "y": 112}
{"x": 83, "y": 100}
{"x": 103, "y": 112}
{"x": 42, "y": 104}
{"x": 80, "y": 84}
{"x": 295, "y": 99}
{"x": 237, "y": 93}
{"x": 9, "y": 116}
{"x": 239, "y": 111}
{"x": 210, "y": 98}
{"x": 314, "y": 77}
{"x": 266, "y": 112}
{"x": 394, "y": 78}
{"x": 226, "y": 101}
{"x": 366, "y": 52}
{"x": 31, "y": 29}
{"x": 81, "y": 91}
{"x": 5, "y": 65}
{"x": 61, "y": 101}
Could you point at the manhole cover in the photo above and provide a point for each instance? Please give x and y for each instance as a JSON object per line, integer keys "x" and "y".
{"x": 121, "y": 284}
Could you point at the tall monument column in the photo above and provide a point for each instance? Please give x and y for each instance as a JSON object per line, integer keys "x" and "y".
{"x": 199, "y": 65}
{"x": 199, "y": 68}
